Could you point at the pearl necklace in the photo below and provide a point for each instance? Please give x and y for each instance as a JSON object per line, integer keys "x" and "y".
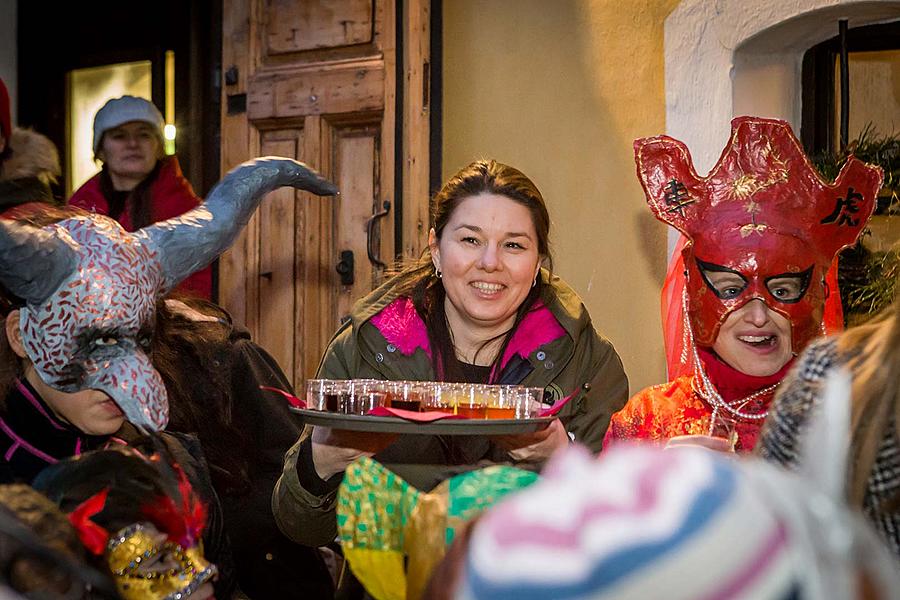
{"x": 708, "y": 392}
{"x": 704, "y": 388}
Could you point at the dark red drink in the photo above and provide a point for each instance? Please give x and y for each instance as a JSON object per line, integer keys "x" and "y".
{"x": 414, "y": 405}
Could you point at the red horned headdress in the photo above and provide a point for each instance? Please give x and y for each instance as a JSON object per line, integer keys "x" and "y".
{"x": 763, "y": 212}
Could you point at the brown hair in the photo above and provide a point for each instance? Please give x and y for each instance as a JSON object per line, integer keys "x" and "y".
{"x": 140, "y": 208}
{"x": 194, "y": 360}
{"x": 427, "y": 290}
{"x": 874, "y": 351}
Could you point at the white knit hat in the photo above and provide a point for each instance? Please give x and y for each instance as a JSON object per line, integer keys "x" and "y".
{"x": 124, "y": 110}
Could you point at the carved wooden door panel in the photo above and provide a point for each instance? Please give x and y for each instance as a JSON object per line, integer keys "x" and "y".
{"x": 315, "y": 81}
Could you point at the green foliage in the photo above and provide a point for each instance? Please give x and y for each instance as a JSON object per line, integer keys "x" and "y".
{"x": 878, "y": 289}
{"x": 868, "y": 280}
{"x": 872, "y": 148}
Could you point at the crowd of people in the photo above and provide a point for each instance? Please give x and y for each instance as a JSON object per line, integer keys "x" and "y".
{"x": 149, "y": 450}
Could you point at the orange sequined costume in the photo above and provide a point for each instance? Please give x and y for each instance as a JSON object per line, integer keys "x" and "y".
{"x": 660, "y": 412}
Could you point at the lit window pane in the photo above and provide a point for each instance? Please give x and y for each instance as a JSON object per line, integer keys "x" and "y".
{"x": 89, "y": 89}
{"x": 874, "y": 93}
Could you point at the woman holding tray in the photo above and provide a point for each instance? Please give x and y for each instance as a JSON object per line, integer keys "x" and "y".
{"x": 477, "y": 308}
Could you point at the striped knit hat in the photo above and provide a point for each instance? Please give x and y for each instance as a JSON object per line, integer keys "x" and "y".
{"x": 679, "y": 524}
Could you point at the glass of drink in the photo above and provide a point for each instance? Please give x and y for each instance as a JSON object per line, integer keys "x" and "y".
{"x": 504, "y": 402}
{"x": 367, "y": 395}
{"x": 315, "y": 393}
{"x": 407, "y": 395}
{"x": 725, "y": 428}
{"x": 722, "y": 436}
{"x": 441, "y": 396}
{"x": 470, "y": 401}
{"x": 335, "y": 395}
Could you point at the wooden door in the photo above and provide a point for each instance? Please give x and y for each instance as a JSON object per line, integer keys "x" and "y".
{"x": 316, "y": 80}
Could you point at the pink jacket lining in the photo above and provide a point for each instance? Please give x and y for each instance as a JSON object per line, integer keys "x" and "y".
{"x": 402, "y": 326}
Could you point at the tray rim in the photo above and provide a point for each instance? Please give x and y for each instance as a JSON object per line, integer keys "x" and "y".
{"x": 380, "y": 424}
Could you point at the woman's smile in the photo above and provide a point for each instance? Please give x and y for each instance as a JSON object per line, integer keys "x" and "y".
{"x": 486, "y": 289}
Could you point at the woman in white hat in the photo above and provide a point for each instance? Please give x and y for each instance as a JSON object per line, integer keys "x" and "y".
{"x": 138, "y": 184}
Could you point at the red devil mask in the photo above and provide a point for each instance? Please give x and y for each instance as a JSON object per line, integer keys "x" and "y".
{"x": 763, "y": 215}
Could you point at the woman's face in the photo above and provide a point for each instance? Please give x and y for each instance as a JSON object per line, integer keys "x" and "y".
{"x": 91, "y": 411}
{"x": 130, "y": 151}
{"x": 488, "y": 256}
{"x": 755, "y": 340}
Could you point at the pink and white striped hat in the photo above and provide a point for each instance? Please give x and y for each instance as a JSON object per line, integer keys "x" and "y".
{"x": 679, "y": 524}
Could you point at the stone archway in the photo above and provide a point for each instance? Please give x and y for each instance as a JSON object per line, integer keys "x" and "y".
{"x": 732, "y": 57}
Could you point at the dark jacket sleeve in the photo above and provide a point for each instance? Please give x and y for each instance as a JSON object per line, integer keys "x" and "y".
{"x": 304, "y": 504}
{"x": 267, "y": 562}
{"x": 604, "y": 390}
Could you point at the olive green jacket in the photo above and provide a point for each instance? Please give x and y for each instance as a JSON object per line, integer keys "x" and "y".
{"x": 579, "y": 362}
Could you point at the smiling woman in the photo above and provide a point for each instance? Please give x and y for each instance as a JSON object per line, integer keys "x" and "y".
{"x": 763, "y": 228}
{"x": 478, "y": 307}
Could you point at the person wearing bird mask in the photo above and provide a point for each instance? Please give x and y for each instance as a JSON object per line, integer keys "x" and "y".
{"x": 762, "y": 229}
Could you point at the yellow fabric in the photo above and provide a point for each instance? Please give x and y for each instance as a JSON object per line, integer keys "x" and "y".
{"x": 380, "y": 572}
{"x": 424, "y": 543}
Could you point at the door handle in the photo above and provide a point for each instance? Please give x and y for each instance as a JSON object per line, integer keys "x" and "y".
{"x": 345, "y": 267}
{"x": 370, "y": 235}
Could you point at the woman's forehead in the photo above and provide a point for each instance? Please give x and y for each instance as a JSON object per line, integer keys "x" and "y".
{"x": 492, "y": 213}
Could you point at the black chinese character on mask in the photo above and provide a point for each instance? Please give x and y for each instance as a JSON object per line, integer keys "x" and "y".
{"x": 677, "y": 197}
{"x": 843, "y": 209}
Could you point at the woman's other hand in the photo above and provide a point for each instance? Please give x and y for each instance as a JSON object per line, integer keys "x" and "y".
{"x": 334, "y": 449}
{"x": 534, "y": 447}
{"x": 710, "y": 442}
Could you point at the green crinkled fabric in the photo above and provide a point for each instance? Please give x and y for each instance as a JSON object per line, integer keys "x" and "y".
{"x": 373, "y": 506}
{"x": 474, "y": 492}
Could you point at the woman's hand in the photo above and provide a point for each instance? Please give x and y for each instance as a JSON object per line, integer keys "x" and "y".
{"x": 334, "y": 449}
{"x": 709, "y": 442}
{"x": 534, "y": 447}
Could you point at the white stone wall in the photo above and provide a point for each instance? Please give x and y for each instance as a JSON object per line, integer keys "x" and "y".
{"x": 726, "y": 58}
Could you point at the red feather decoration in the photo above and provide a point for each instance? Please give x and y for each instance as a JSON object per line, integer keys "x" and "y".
{"x": 93, "y": 536}
{"x": 182, "y": 524}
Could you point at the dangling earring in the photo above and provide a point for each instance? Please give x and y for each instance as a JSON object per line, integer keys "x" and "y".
{"x": 437, "y": 273}
{"x": 534, "y": 283}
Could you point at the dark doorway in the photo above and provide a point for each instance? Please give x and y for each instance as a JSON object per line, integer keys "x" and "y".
{"x": 56, "y": 38}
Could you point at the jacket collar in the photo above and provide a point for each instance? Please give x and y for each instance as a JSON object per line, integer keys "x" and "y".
{"x": 559, "y": 312}
{"x": 37, "y": 432}
{"x": 402, "y": 326}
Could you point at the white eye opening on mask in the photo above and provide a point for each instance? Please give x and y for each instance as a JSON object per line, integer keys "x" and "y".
{"x": 728, "y": 284}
